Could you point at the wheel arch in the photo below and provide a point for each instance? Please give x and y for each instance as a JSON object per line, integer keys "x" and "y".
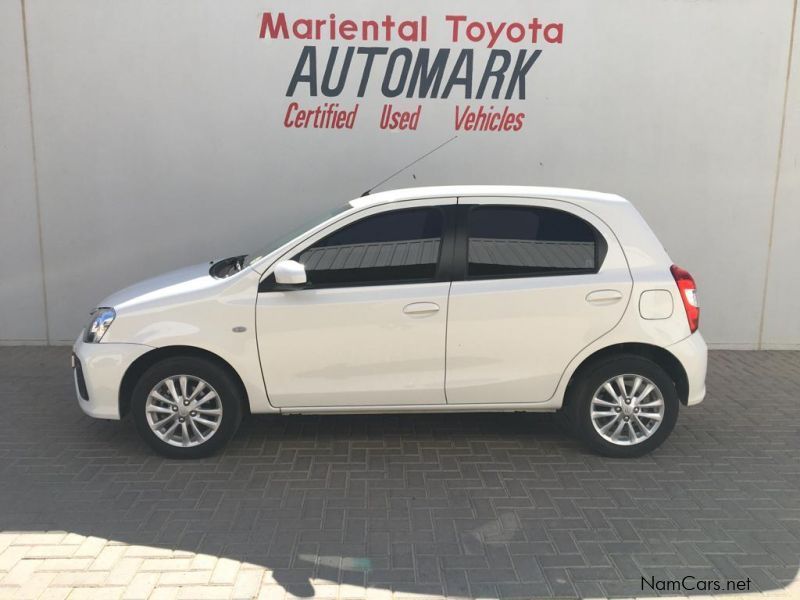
{"x": 145, "y": 361}
{"x": 662, "y": 357}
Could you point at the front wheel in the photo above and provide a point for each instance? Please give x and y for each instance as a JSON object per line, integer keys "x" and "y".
{"x": 186, "y": 407}
{"x": 624, "y": 407}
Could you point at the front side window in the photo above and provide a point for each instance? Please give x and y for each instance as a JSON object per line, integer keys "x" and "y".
{"x": 399, "y": 246}
{"x": 522, "y": 241}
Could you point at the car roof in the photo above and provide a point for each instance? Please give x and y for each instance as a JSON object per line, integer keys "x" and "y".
{"x": 461, "y": 191}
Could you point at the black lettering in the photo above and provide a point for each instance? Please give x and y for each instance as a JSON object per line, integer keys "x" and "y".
{"x": 518, "y": 74}
{"x": 327, "y": 90}
{"x": 497, "y": 72}
{"x": 386, "y": 88}
{"x": 371, "y": 53}
{"x": 308, "y": 55}
{"x": 426, "y": 77}
{"x": 464, "y": 59}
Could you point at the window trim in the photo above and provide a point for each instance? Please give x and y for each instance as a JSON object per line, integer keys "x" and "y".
{"x": 461, "y": 261}
{"x": 444, "y": 264}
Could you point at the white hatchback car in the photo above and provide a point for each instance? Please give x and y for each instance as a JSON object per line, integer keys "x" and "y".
{"x": 469, "y": 298}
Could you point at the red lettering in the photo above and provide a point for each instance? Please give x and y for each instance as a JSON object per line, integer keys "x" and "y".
{"x": 455, "y": 20}
{"x": 302, "y": 29}
{"x": 275, "y": 28}
{"x": 520, "y": 32}
{"x": 494, "y": 32}
{"x": 388, "y": 23}
{"x": 408, "y": 31}
{"x": 287, "y": 121}
{"x": 554, "y": 33}
{"x": 399, "y": 119}
{"x": 348, "y": 29}
{"x": 475, "y": 31}
{"x": 489, "y": 119}
{"x": 535, "y": 27}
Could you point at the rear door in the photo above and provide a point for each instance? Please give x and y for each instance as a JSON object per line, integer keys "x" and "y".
{"x": 537, "y": 283}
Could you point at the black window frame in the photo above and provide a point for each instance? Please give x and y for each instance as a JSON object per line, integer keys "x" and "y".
{"x": 444, "y": 265}
{"x": 461, "y": 261}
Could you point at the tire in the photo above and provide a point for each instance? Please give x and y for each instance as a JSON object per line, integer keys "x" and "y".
{"x": 590, "y": 389}
{"x": 220, "y": 404}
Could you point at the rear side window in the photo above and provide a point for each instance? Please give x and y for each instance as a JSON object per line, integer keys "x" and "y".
{"x": 392, "y": 247}
{"x": 523, "y": 241}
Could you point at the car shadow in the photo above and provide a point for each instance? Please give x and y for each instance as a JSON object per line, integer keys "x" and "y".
{"x": 498, "y": 505}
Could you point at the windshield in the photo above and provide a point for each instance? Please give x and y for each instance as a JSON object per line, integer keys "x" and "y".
{"x": 293, "y": 233}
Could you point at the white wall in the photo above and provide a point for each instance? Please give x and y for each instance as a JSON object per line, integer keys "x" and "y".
{"x": 159, "y": 141}
{"x": 22, "y": 314}
{"x": 782, "y": 313}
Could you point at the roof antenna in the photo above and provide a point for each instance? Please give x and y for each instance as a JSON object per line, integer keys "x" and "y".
{"x": 367, "y": 193}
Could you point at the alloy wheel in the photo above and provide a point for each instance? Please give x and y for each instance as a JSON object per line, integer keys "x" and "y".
{"x": 183, "y": 410}
{"x": 627, "y": 409}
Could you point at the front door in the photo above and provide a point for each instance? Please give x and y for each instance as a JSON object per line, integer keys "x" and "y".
{"x": 540, "y": 284}
{"x": 370, "y": 327}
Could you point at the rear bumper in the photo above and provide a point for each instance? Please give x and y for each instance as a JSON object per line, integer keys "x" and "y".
{"x": 97, "y": 371}
{"x": 693, "y": 354}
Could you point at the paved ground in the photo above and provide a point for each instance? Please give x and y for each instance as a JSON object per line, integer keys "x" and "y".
{"x": 355, "y": 506}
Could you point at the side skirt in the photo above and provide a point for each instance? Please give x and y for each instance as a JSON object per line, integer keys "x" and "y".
{"x": 544, "y": 407}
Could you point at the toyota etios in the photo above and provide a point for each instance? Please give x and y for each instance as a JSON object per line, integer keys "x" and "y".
{"x": 470, "y": 298}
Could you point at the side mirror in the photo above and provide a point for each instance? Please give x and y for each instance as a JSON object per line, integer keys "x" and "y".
{"x": 290, "y": 272}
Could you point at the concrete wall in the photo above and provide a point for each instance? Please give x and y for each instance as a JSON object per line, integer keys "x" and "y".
{"x": 22, "y": 303}
{"x": 781, "y": 318}
{"x": 159, "y": 141}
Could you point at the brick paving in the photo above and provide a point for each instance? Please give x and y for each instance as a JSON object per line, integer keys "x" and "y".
{"x": 391, "y": 506}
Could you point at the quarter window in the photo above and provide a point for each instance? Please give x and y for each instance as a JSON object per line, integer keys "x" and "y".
{"x": 519, "y": 241}
{"x": 391, "y": 247}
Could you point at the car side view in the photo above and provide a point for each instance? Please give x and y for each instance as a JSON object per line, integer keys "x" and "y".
{"x": 464, "y": 298}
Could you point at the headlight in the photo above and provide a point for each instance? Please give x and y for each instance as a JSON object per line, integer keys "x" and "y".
{"x": 101, "y": 321}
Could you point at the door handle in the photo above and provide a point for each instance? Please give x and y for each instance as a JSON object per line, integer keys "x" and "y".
{"x": 421, "y": 308}
{"x": 602, "y": 297}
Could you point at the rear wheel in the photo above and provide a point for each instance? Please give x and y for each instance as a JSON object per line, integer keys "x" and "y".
{"x": 624, "y": 406}
{"x": 186, "y": 407}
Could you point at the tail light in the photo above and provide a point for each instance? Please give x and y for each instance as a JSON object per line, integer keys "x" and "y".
{"x": 688, "y": 291}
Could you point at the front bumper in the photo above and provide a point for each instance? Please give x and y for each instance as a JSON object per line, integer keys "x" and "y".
{"x": 98, "y": 370}
{"x": 692, "y": 352}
